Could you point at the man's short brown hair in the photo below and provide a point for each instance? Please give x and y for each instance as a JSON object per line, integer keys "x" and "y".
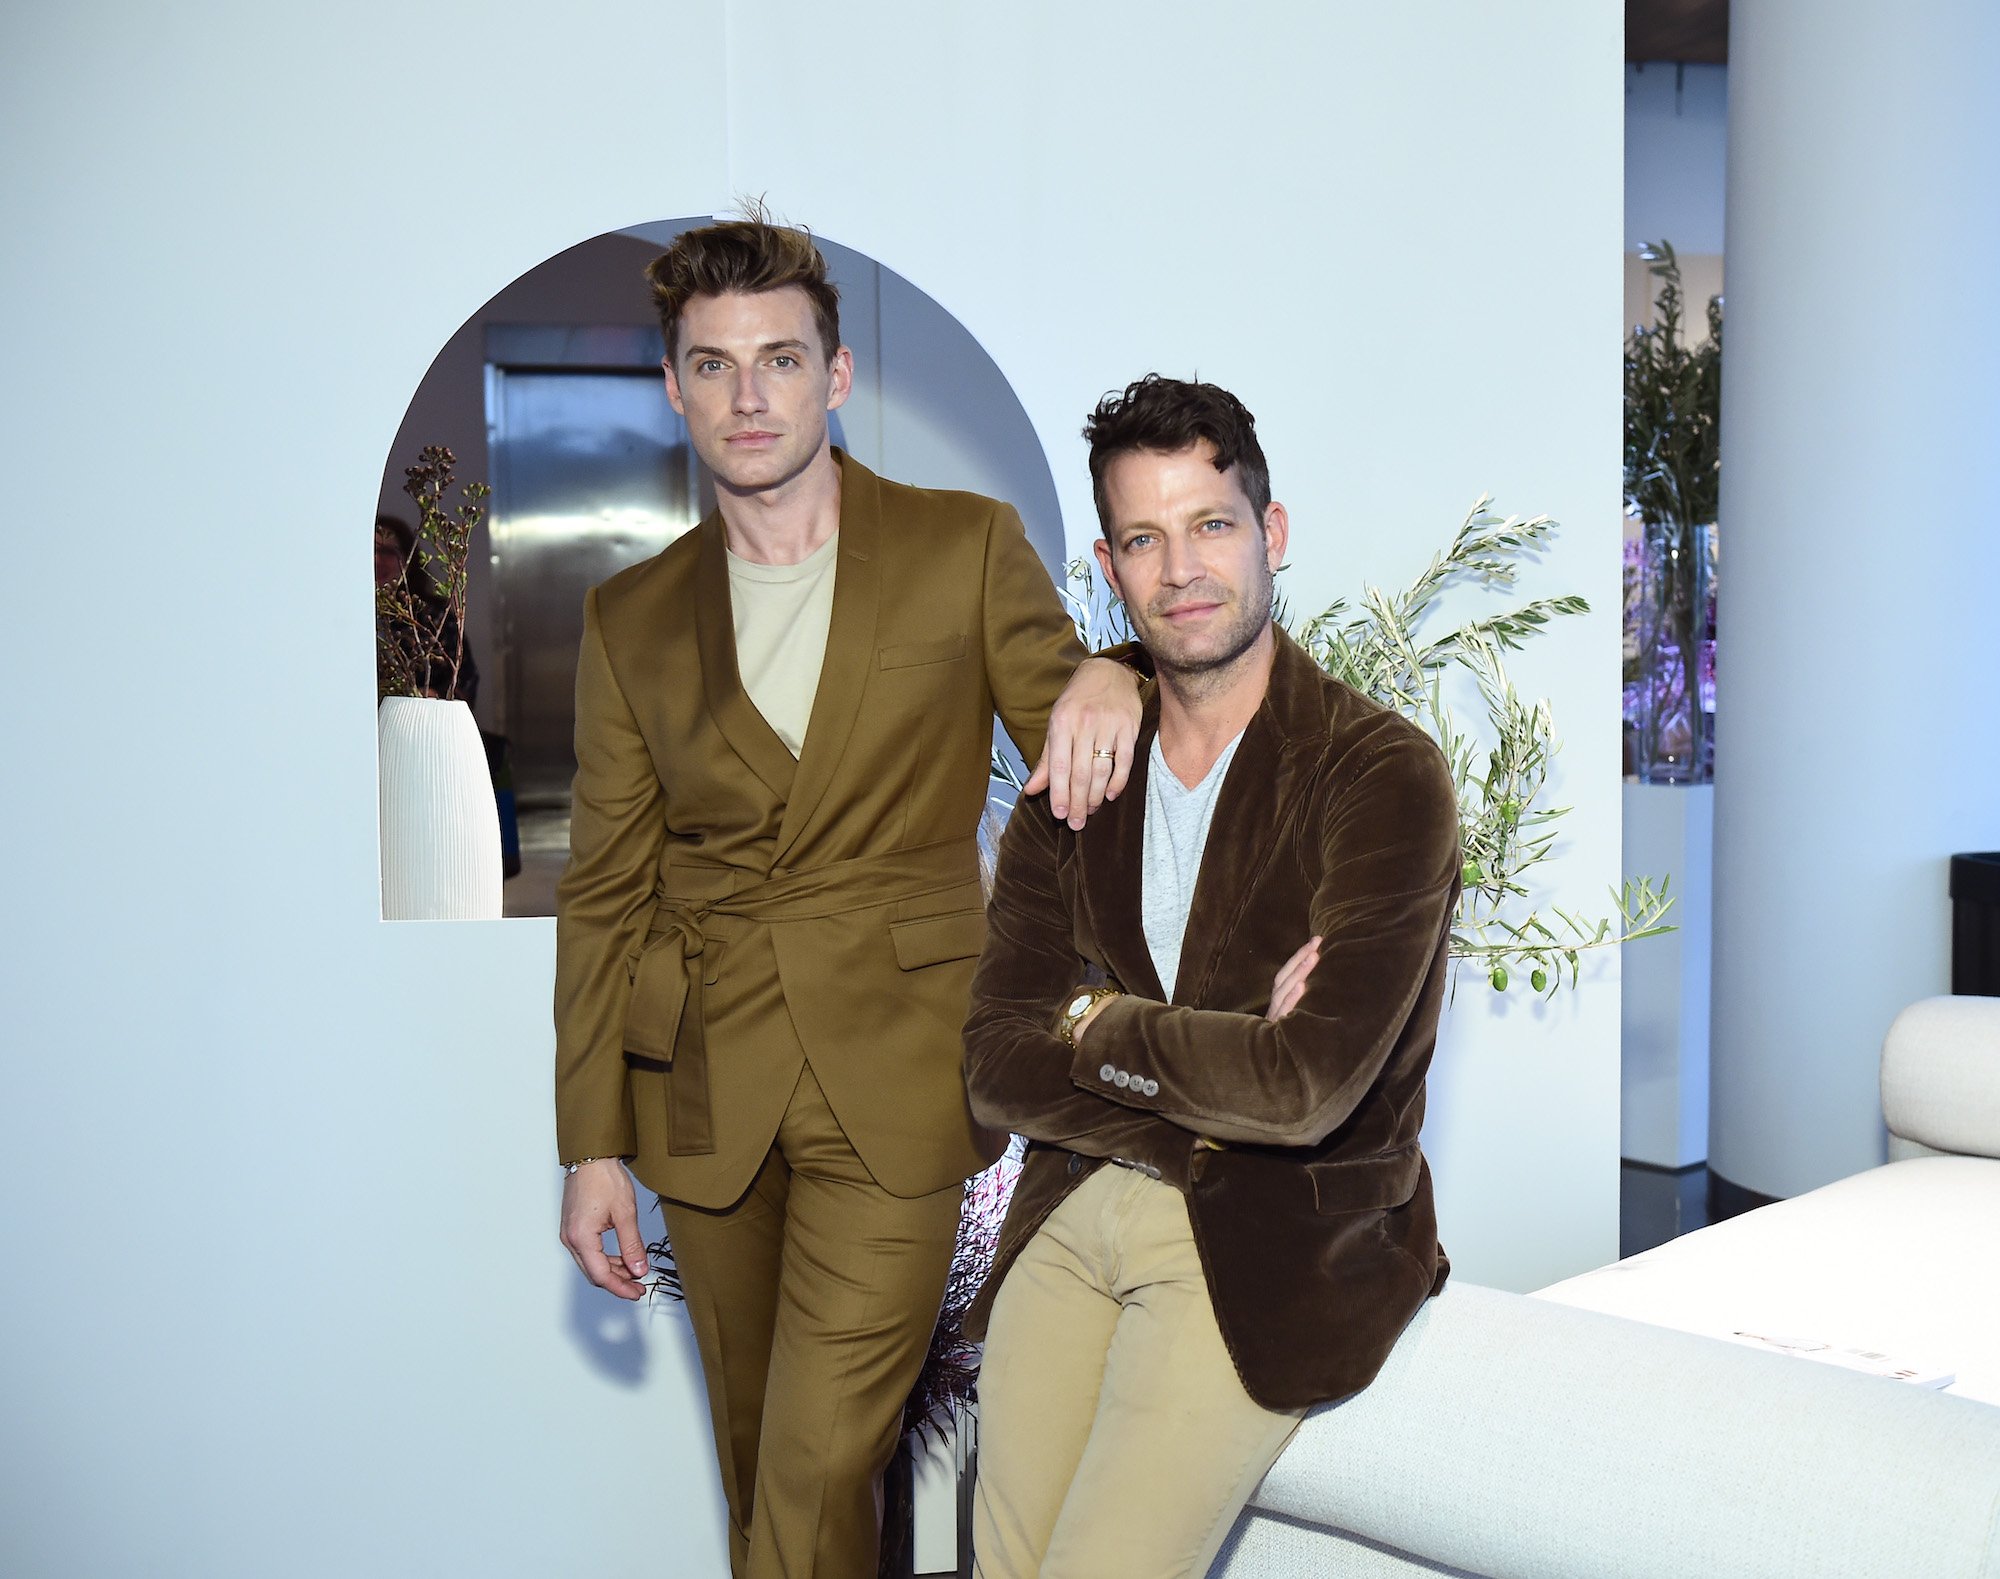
{"x": 1166, "y": 415}
{"x": 742, "y": 256}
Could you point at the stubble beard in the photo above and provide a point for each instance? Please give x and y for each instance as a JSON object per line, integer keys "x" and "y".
{"x": 1197, "y": 678}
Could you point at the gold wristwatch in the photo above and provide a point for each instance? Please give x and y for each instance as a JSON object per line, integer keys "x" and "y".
{"x": 1085, "y": 999}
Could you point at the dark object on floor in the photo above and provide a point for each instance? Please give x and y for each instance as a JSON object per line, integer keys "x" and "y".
{"x": 501, "y": 767}
{"x": 1975, "y": 925}
{"x": 1727, "y": 1199}
{"x": 1656, "y": 1204}
{"x": 899, "y": 1532}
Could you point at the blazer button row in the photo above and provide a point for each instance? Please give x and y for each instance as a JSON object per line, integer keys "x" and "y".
{"x": 1124, "y": 1080}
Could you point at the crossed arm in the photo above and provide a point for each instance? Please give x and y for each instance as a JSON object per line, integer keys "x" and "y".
{"x": 1380, "y": 910}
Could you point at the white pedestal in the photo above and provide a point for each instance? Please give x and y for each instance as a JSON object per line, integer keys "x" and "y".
{"x": 1669, "y": 832}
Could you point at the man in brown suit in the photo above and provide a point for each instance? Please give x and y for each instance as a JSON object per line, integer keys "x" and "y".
{"x": 1210, "y": 1011}
{"x": 766, "y": 932}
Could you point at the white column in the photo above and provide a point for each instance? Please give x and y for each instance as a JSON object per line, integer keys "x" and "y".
{"x": 1858, "y": 736}
{"x": 1663, "y": 1005}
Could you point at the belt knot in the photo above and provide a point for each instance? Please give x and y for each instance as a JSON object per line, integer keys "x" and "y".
{"x": 664, "y": 1024}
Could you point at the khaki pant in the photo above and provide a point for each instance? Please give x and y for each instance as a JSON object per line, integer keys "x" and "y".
{"x": 1115, "y": 1441}
{"x": 813, "y": 1299}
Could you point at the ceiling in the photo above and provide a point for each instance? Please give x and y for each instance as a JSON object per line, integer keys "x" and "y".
{"x": 1689, "y": 30}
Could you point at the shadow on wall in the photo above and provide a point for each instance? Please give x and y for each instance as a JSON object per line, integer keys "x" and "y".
{"x": 623, "y": 1342}
{"x": 551, "y": 394}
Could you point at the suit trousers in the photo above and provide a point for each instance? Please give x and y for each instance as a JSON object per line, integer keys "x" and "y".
{"x": 1115, "y": 1439}
{"x": 813, "y": 1300}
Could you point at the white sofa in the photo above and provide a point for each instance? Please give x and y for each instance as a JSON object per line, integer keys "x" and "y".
{"x": 1574, "y": 1434}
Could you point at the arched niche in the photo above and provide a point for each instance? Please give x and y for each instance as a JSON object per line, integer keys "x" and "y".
{"x": 550, "y": 393}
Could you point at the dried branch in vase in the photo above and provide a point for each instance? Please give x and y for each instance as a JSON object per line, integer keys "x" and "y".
{"x": 420, "y": 616}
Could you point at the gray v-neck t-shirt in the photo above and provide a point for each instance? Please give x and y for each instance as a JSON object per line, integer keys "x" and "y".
{"x": 1177, "y": 820}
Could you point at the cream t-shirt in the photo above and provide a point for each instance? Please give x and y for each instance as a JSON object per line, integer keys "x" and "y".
{"x": 782, "y": 613}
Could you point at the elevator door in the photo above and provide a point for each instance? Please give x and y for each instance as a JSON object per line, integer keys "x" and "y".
{"x": 592, "y": 472}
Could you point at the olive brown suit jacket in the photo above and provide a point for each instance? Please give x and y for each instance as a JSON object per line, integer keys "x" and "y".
{"x": 729, "y": 912}
{"x": 1314, "y": 1220}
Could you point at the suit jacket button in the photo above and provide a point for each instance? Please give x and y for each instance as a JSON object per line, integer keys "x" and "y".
{"x": 1121, "y": 1080}
{"x": 1075, "y": 1163}
{"x": 1151, "y": 1088}
{"x": 1107, "y": 1073}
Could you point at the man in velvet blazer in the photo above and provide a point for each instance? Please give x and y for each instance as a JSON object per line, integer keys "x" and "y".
{"x": 1224, "y": 1215}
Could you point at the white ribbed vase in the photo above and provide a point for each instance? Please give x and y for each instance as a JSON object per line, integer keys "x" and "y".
{"x": 440, "y": 826}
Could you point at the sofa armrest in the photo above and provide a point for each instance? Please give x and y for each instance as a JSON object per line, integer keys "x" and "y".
{"x": 1941, "y": 1077}
{"x": 1513, "y": 1436}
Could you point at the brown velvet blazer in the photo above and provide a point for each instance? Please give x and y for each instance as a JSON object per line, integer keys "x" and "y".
{"x": 729, "y": 911}
{"x": 1315, "y": 1222}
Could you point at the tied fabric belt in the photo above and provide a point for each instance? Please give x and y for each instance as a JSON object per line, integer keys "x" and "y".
{"x": 680, "y": 958}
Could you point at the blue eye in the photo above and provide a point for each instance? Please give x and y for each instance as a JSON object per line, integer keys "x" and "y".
{"x": 785, "y": 361}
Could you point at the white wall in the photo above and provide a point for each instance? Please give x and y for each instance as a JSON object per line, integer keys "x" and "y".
{"x": 1669, "y": 834}
{"x": 283, "y": 1277}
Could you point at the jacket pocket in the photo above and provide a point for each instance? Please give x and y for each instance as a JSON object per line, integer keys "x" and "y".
{"x": 931, "y": 940}
{"x": 1376, "y": 1182}
{"x": 907, "y": 654}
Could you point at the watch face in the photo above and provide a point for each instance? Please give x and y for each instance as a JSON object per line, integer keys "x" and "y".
{"x": 1079, "y": 1003}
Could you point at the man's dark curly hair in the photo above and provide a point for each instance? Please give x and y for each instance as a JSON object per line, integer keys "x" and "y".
{"x": 1167, "y": 415}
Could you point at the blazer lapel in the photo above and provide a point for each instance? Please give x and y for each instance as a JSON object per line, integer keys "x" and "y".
{"x": 1111, "y": 859}
{"x": 850, "y": 648}
{"x": 1266, "y": 777}
{"x": 746, "y": 729}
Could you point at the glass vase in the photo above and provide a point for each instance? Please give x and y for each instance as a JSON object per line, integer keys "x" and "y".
{"x": 1671, "y": 636}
